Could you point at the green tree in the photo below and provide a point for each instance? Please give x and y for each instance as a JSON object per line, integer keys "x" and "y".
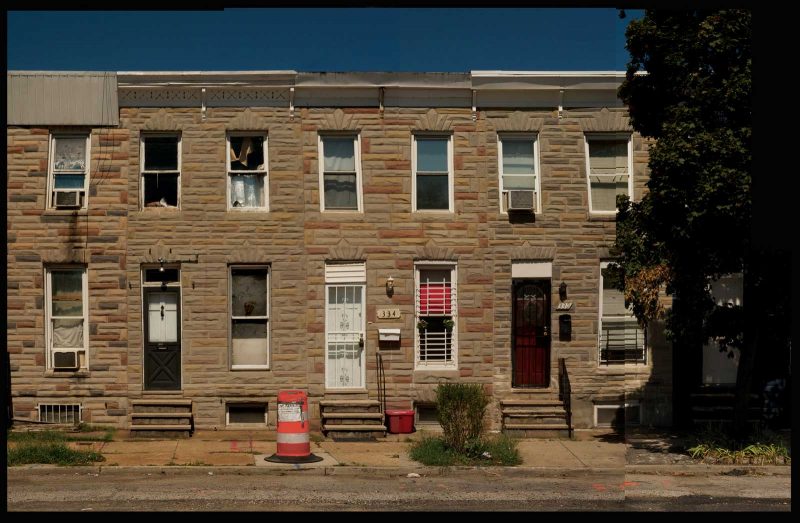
{"x": 688, "y": 87}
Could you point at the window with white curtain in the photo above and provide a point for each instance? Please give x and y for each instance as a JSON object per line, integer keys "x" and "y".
{"x": 609, "y": 170}
{"x": 69, "y": 170}
{"x": 247, "y": 172}
{"x": 340, "y": 172}
{"x": 518, "y": 166}
{"x": 67, "y": 317}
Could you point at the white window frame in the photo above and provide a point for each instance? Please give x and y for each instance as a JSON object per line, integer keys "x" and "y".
{"x": 645, "y": 349}
{"x": 142, "y": 139}
{"x": 356, "y": 158}
{"x": 82, "y": 365}
{"x": 450, "y": 185}
{"x": 231, "y": 317}
{"x": 519, "y": 137}
{"x": 589, "y": 137}
{"x": 624, "y": 406}
{"x": 436, "y": 364}
{"x": 263, "y": 173}
{"x": 52, "y": 172}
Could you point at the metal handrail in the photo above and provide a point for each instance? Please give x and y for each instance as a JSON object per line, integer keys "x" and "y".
{"x": 565, "y": 391}
{"x": 381, "y": 381}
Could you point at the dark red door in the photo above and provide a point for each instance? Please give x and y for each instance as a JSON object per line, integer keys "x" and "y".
{"x": 530, "y": 333}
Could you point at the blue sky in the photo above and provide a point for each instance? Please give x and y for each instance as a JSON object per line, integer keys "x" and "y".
{"x": 317, "y": 39}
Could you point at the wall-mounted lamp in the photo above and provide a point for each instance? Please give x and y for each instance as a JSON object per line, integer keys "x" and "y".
{"x": 389, "y": 286}
{"x": 161, "y": 261}
{"x": 562, "y": 291}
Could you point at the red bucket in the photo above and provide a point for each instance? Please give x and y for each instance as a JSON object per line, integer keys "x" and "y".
{"x": 400, "y": 421}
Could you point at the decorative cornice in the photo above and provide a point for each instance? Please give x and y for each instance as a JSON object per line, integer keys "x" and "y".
{"x": 529, "y": 252}
{"x": 64, "y": 254}
{"x": 338, "y": 121}
{"x": 248, "y": 254}
{"x": 606, "y": 121}
{"x": 343, "y": 251}
{"x": 434, "y": 252}
{"x": 247, "y": 121}
{"x": 433, "y": 121}
{"x": 518, "y": 121}
{"x": 161, "y": 121}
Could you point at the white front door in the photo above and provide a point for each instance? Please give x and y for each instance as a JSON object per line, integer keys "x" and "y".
{"x": 344, "y": 337}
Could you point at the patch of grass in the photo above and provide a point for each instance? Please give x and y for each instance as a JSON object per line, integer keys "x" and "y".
{"x": 762, "y": 448}
{"x": 498, "y": 450}
{"x": 50, "y": 453}
{"x": 51, "y": 436}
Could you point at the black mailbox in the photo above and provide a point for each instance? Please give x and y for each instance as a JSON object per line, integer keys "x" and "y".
{"x": 565, "y": 327}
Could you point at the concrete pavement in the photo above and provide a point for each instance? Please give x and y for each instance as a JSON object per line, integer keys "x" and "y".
{"x": 390, "y": 456}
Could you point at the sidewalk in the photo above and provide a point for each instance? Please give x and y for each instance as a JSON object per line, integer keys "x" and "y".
{"x": 648, "y": 454}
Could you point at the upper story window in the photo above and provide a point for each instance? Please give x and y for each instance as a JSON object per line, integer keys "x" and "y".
{"x": 609, "y": 169}
{"x": 247, "y": 172}
{"x": 340, "y": 173}
{"x": 436, "y": 315}
{"x": 432, "y": 163}
{"x": 518, "y": 167}
{"x": 621, "y": 340}
{"x": 69, "y": 171}
{"x": 161, "y": 170}
{"x": 67, "y": 331}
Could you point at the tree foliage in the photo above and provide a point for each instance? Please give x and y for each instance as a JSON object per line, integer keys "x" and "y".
{"x": 694, "y": 222}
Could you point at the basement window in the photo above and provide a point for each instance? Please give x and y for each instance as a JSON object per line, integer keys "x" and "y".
{"x": 617, "y": 415}
{"x": 427, "y": 414}
{"x": 251, "y": 414}
{"x": 60, "y": 414}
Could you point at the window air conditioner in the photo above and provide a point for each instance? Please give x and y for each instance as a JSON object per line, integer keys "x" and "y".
{"x": 65, "y": 360}
{"x": 72, "y": 198}
{"x": 521, "y": 201}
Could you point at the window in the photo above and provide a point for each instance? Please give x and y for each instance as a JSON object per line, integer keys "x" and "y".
{"x": 609, "y": 171}
{"x": 61, "y": 414}
{"x": 247, "y": 172}
{"x": 69, "y": 171}
{"x": 340, "y": 172}
{"x": 617, "y": 415}
{"x": 249, "y": 317}
{"x": 621, "y": 340}
{"x": 433, "y": 173}
{"x": 67, "y": 322}
{"x": 436, "y": 315}
{"x": 161, "y": 170}
{"x": 251, "y": 414}
{"x": 518, "y": 168}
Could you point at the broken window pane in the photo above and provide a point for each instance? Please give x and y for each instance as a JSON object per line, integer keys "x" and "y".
{"x": 70, "y": 154}
{"x": 160, "y": 190}
{"x": 247, "y": 153}
{"x": 161, "y": 153}
{"x": 249, "y": 292}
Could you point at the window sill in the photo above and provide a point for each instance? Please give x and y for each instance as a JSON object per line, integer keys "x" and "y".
{"x": 448, "y": 371}
{"x": 595, "y": 217}
{"x": 83, "y": 373}
{"x": 329, "y": 390}
{"x": 249, "y": 367}
{"x": 249, "y": 209}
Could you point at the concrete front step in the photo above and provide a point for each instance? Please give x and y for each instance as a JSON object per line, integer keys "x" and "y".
{"x": 355, "y": 415}
{"x": 538, "y": 433}
{"x": 530, "y": 420}
{"x": 353, "y": 428}
{"x": 181, "y": 426}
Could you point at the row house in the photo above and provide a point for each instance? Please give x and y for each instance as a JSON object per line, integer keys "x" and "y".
{"x": 183, "y": 245}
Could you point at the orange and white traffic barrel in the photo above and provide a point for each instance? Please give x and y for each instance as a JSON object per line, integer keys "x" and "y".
{"x": 293, "y": 441}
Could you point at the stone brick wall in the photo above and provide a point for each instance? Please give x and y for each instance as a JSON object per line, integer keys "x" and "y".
{"x": 295, "y": 239}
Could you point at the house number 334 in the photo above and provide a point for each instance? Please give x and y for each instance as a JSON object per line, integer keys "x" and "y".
{"x": 388, "y": 314}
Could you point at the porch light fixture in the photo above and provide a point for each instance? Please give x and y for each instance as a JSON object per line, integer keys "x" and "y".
{"x": 389, "y": 286}
{"x": 161, "y": 261}
{"x": 562, "y": 291}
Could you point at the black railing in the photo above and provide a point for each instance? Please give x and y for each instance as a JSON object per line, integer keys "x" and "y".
{"x": 565, "y": 392}
{"x": 622, "y": 342}
{"x": 381, "y": 381}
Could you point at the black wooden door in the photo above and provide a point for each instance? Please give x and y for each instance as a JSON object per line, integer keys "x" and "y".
{"x": 162, "y": 345}
{"x": 530, "y": 333}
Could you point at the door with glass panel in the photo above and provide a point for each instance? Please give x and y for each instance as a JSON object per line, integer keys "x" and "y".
{"x": 162, "y": 347}
{"x": 344, "y": 333}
